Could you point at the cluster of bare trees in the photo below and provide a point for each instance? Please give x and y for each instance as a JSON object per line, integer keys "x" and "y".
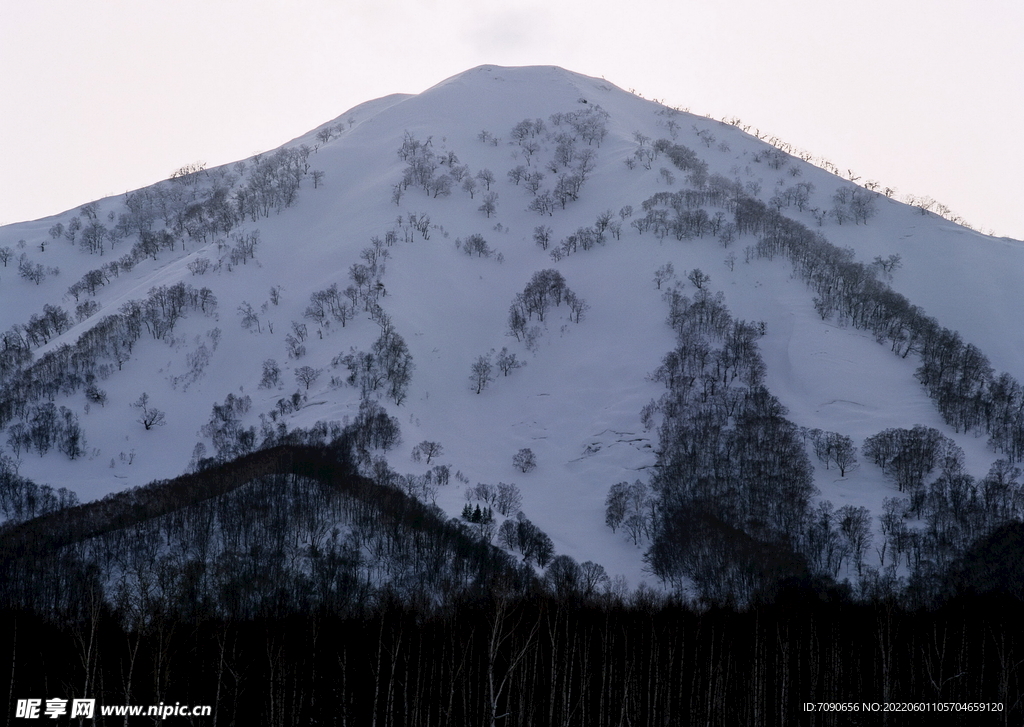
{"x": 569, "y": 181}
{"x": 589, "y": 124}
{"x": 956, "y": 375}
{"x": 684, "y": 159}
{"x": 41, "y": 328}
{"x": 423, "y": 487}
{"x": 386, "y": 367}
{"x": 389, "y": 362}
{"x": 32, "y": 271}
{"x": 631, "y": 507}
{"x": 44, "y": 427}
{"x": 584, "y": 238}
{"x": 798, "y": 195}
{"x": 545, "y": 290}
{"x": 424, "y": 169}
{"x": 571, "y": 163}
{"x": 503, "y": 497}
{"x": 273, "y": 182}
{"x": 366, "y": 288}
{"x": 833, "y": 448}
{"x": 22, "y": 499}
{"x": 519, "y": 534}
{"x": 71, "y": 367}
{"x": 439, "y": 173}
{"x": 197, "y": 203}
{"x": 681, "y": 214}
{"x": 230, "y": 439}
{"x": 331, "y": 304}
{"x": 733, "y": 482}
{"x": 305, "y": 584}
{"x": 850, "y": 203}
{"x": 373, "y": 429}
{"x": 955, "y": 510}
{"x": 836, "y": 538}
{"x": 475, "y": 244}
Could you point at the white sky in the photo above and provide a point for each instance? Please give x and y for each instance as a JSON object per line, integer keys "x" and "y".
{"x": 101, "y": 96}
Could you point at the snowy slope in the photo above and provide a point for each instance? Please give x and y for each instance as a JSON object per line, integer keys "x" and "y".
{"x": 576, "y": 404}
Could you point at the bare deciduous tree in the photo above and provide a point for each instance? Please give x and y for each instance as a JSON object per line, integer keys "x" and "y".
{"x": 307, "y": 375}
{"x": 150, "y": 416}
{"x": 663, "y": 274}
{"x": 427, "y": 449}
{"x": 508, "y": 362}
{"x": 490, "y": 204}
{"x": 525, "y": 460}
{"x": 481, "y": 373}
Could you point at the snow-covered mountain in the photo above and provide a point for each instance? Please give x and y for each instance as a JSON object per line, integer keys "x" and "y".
{"x": 386, "y": 200}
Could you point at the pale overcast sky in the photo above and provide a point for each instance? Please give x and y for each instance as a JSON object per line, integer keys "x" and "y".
{"x": 101, "y": 96}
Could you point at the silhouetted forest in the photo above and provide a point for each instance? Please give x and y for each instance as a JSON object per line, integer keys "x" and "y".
{"x": 532, "y": 658}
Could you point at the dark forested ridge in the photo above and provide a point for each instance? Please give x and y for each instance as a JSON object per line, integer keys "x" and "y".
{"x": 280, "y": 531}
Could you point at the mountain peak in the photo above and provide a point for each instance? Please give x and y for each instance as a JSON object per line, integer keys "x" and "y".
{"x": 450, "y": 221}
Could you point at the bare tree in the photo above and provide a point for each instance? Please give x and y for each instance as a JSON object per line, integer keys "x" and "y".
{"x": 250, "y": 317}
{"x": 844, "y": 453}
{"x": 428, "y": 449}
{"x": 832, "y": 447}
{"x": 508, "y": 362}
{"x": 663, "y": 274}
{"x": 271, "y": 374}
{"x": 487, "y": 177}
{"x": 150, "y": 416}
{"x": 855, "y": 527}
{"x": 517, "y": 174}
{"x": 307, "y": 375}
{"x": 542, "y": 236}
{"x": 481, "y": 373}
{"x": 509, "y": 500}
{"x": 577, "y": 306}
{"x": 31, "y": 271}
{"x": 525, "y": 460}
{"x": 476, "y": 243}
{"x": 699, "y": 278}
{"x": 490, "y": 204}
